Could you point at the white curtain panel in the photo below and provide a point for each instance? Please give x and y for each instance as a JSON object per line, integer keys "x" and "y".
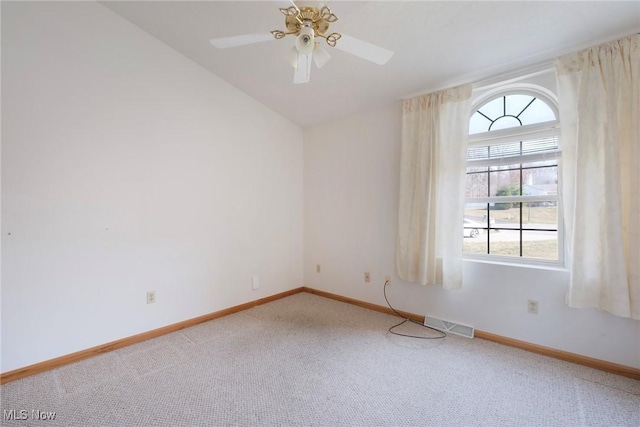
{"x": 599, "y": 100}
{"x": 435, "y": 129}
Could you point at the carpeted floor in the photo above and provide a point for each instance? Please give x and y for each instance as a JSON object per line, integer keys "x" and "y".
{"x": 309, "y": 361}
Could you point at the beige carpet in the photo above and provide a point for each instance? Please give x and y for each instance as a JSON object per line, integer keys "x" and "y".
{"x": 309, "y": 361}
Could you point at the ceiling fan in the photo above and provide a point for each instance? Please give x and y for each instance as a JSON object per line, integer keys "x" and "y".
{"x": 307, "y": 24}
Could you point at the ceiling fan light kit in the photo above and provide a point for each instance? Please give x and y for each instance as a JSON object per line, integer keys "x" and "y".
{"x": 304, "y": 41}
{"x": 307, "y": 24}
{"x": 320, "y": 56}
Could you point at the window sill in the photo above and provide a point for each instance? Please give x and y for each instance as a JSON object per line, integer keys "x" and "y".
{"x": 540, "y": 265}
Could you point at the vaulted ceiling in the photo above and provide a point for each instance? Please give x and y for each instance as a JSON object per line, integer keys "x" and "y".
{"x": 437, "y": 44}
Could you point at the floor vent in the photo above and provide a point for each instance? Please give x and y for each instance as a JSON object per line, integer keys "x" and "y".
{"x": 450, "y": 327}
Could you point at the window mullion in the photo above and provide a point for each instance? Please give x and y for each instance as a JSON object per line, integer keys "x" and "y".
{"x": 520, "y": 204}
{"x": 513, "y": 199}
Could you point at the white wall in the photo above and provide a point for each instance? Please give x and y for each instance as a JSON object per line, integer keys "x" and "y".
{"x": 351, "y": 175}
{"x": 125, "y": 168}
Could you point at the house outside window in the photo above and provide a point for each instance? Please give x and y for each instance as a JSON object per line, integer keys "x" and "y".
{"x": 512, "y": 207}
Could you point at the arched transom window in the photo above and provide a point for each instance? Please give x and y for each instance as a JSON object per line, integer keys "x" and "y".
{"x": 508, "y": 111}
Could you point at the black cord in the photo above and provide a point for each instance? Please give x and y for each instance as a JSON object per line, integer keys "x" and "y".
{"x": 406, "y": 319}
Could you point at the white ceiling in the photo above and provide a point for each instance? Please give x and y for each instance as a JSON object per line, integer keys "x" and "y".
{"x": 437, "y": 44}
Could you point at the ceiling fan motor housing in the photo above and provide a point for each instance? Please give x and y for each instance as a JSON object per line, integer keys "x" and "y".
{"x": 296, "y": 19}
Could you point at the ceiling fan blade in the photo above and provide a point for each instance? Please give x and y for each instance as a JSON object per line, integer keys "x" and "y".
{"x": 364, "y": 50}
{"x": 303, "y": 70}
{"x": 225, "y": 42}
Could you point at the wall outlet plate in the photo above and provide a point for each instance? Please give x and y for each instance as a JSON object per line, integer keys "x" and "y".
{"x": 532, "y": 306}
{"x": 151, "y": 297}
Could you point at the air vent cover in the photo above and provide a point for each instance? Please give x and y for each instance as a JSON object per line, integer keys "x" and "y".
{"x": 450, "y": 327}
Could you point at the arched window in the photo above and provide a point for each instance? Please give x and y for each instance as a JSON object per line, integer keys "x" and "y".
{"x": 512, "y": 178}
{"x": 511, "y": 110}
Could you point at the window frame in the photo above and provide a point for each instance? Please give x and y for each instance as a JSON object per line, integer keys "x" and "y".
{"x": 507, "y": 135}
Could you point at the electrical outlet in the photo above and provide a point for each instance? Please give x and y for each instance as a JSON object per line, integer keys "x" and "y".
{"x": 387, "y": 280}
{"x": 151, "y": 297}
{"x": 255, "y": 282}
{"x": 532, "y": 306}
{"x": 367, "y": 277}
{"x": 317, "y": 268}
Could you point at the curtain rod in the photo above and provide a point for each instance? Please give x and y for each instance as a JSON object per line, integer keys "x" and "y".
{"x": 499, "y": 78}
{"x": 509, "y": 77}
{"x": 481, "y": 82}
